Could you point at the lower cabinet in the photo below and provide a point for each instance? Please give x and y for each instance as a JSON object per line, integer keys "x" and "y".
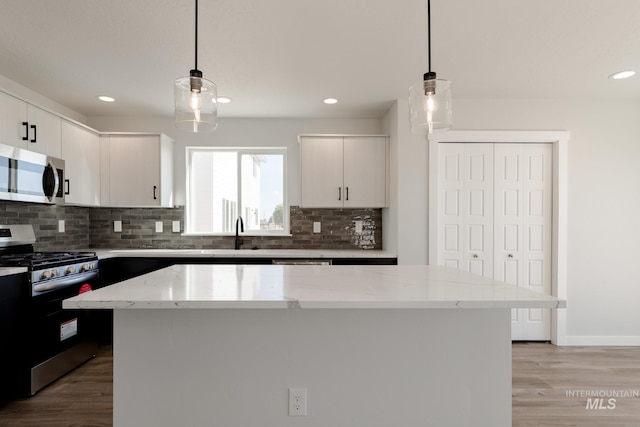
{"x": 11, "y": 298}
{"x": 113, "y": 270}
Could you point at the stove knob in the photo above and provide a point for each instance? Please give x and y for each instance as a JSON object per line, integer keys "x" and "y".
{"x": 55, "y": 273}
{"x": 84, "y": 267}
{"x": 45, "y": 275}
{"x": 69, "y": 270}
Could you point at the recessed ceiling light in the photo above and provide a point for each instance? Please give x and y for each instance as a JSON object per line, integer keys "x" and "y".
{"x": 330, "y": 101}
{"x": 622, "y": 75}
{"x": 223, "y": 100}
{"x": 106, "y": 98}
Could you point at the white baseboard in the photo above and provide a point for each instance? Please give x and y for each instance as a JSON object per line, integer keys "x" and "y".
{"x": 628, "y": 340}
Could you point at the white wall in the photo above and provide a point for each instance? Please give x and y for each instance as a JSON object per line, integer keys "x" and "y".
{"x": 604, "y": 199}
{"x": 405, "y": 222}
{"x": 239, "y": 133}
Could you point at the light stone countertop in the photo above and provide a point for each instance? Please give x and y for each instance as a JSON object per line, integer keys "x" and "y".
{"x": 275, "y": 286}
{"x": 243, "y": 253}
{"x": 9, "y": 271}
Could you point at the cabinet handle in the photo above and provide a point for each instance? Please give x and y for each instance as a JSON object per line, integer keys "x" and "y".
{"x": 66, "y": 181}
{"x": 475, "y": 255}
{"x": 35, "y": 138}
{"x": 339, "y": 193}
{"x": 510, "y": 256}
{"x": 26, "y": 131}
{"x": 154, "y": 193}
{"x": 347, "y": 193}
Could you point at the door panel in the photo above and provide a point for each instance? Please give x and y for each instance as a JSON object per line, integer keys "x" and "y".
{"x": 477, "y": 160}
{"x": 466, "y": 197}
{"x": 525, "y": 170}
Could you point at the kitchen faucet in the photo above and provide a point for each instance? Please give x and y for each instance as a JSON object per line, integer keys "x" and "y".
{"x": 239, "y": 240}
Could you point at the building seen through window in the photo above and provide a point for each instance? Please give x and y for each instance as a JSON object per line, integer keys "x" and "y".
{"x": 224, "y": 183}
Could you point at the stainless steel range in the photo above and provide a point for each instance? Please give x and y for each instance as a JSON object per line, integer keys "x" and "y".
{"x": 51, "y": 341}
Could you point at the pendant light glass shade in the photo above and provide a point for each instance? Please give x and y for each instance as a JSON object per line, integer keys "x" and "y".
{"x": 196, "y": 108}
{"x": 430, "y": 110}
{"x": 430, "y": 100}
{"x": 195, "y": 99}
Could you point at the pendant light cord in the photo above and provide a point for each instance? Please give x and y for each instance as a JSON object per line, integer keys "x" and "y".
{"x": 428, "y": 33}
{"x": 196, "y": 67}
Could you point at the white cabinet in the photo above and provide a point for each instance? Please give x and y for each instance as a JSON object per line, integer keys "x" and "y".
{"x": 13, "y": 112}
{"x": 343, "y": 171}
{"x": 81, "y": 153}
{"x": 136, "y": 170}
{"x": 26, "y": 126}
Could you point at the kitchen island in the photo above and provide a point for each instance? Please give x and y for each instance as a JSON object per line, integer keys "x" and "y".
{"x": 221, "y": 345}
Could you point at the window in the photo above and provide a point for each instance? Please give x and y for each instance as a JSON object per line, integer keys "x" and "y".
{"x": 223, "y": 183}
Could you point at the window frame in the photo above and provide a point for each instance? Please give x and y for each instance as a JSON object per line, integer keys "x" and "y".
{"x": 239, "y": 207}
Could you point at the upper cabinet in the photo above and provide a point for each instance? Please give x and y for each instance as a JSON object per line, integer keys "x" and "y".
{"x": 136, "y": 170}
{"x": 81, "y": 153}
{"x": 26, "y": 126}
{"x": 343, "y": 171}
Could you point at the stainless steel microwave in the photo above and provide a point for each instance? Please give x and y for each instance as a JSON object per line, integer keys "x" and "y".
{"x": 27, "y": 176}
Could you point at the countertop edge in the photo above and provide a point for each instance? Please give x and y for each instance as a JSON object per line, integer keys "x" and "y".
{"x": 244, "y": 253}
{"x": 309, "y": 305}
{"x": 10, "y": 271}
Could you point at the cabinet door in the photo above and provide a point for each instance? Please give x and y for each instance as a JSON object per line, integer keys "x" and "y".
{"x": 81, "y": 153}
{"x": 13, "y": 112}
{"x": 365, "y": 172}
{"x": 321, "y": 161}
{"x": 44, "y": 132}
{"x": 134, "y": 169}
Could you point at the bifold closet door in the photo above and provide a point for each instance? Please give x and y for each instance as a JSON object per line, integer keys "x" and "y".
{"x": 495, "y": 219}
{"x": 465, "y": 231}
{"x": 522, "y": 227}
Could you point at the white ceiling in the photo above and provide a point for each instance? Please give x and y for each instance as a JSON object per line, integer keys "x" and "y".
{"x": 280, "y": 58}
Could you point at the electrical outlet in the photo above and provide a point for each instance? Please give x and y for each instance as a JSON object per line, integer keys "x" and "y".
{"x": 117, "y": 226}
{"x": 297, "y": 402}
{"x": 159, "y": 227}
{"x": 61, "y": 226}
{"x": 175, "y": 226}
{"x": 317, "y": 227}
{"x": 358, "y": 227}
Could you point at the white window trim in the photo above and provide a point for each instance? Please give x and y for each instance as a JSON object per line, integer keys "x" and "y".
{"x": 242, "y": 150}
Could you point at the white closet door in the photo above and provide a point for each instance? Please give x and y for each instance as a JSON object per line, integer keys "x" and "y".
{"x": 478, "y": 209}
{"x": 466, "y": 202}
{"x": 523, "y": 218}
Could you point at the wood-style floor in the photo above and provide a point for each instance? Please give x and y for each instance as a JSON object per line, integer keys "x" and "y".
{"x": 548, "y": 382}
{"x": 543, "y": 376}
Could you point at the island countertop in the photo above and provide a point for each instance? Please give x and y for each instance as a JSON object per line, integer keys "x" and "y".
{"x": 187, "y": 286}
{"x": 244, "y": 253}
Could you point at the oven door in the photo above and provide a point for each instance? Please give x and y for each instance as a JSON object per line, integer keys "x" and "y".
{"x": 30, "y": 177}
{"x": 54, "y": 340}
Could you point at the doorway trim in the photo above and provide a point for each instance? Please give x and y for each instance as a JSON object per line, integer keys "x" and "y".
{"x": 560, "y": 141}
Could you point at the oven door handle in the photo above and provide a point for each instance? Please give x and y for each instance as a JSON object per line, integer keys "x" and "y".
{"x": 65, "y": 281}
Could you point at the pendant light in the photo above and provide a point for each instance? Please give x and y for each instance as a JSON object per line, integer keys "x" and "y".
{"x": 430, "y": 100}
{"x": 195, "y": 106}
